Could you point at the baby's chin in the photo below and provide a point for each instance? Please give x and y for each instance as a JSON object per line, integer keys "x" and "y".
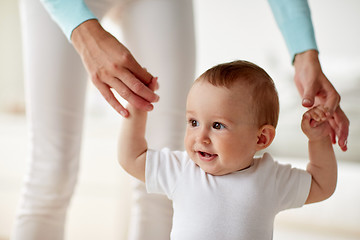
{"x": 213, "y": 171}
{"x": 217, "y": 172}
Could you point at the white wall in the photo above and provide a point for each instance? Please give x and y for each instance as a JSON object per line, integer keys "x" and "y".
{"x": 11, "y": 75}
{"x": 246, "y": 30}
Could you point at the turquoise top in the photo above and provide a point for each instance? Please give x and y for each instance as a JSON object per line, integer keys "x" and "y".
{"x": 294, "y": 20}
{"x": 292, "y": 16}
{"x": 68, "y": 14}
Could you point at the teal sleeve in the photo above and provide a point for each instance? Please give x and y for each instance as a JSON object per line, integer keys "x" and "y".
{"x": 68, "y": 14}
{"x": 294, "y": 20}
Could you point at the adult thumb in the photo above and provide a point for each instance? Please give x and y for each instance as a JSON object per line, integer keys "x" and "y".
{"x": 309, "y": 96}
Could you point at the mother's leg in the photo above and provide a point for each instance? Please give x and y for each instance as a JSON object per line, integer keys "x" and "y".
{"x": 55, "y": 83}
{"x": 160, "y": 35}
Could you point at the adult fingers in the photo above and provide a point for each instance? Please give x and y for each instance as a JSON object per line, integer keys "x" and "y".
{"x": 332, "y": 99}
{"x": 334, "y": 128}
{"x": 141, "y": 73}
{"x": 154, "y": 85}
{"x": 125, "y": 92}
{"x": 135, "y": 85}
{"x": 332, "y": 136}
{"x": 342, "y": 130}
{"x": 111, "y": 99}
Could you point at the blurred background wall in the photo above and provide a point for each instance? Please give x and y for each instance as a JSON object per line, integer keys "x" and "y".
{"x": 11, "y": 75}
{"x": 226, "y": 30}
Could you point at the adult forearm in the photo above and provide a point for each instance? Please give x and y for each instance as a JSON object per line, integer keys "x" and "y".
{"x": 294, "y": 21}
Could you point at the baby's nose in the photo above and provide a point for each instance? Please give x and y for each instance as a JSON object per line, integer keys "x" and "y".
{"x": 204, "y": 137}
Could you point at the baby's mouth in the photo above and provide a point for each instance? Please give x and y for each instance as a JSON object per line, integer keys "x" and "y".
{"x": 206, "y": 156}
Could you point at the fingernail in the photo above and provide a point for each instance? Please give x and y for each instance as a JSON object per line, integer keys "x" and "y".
{"x": 123, "y": 113}
{"x": 149, "y": 107}
{"x": 157, "y": 98}
{"x": 154, "y": 79}
{"x": 306, "y": 102}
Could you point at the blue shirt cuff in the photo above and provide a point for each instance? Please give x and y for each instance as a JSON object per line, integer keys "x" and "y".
{"x": 68, "y": 14}
{"x": 299, "y": 36}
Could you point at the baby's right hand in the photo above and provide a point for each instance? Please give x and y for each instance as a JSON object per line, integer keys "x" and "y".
{"x": 315, "y": 124}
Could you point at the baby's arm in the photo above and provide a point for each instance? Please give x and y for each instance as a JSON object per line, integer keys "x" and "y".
{"x": 132, "y": 145}
{"x": 322, "y": 165}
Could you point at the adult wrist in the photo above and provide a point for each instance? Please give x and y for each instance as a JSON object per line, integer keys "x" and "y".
{"x": 311, "y": 55}
{"x": 85, "y": 33}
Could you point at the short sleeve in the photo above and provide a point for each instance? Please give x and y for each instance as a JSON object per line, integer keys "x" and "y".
{"x": 292, "y": 186}
{"x": 163, "y": 170}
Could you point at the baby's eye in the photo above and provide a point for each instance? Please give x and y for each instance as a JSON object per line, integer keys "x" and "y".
{"x": 217, "y": 125}
{"x": 193, "y": 123}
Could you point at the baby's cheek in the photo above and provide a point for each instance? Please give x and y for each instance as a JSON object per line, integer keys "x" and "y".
{"x": 188, "y": 143}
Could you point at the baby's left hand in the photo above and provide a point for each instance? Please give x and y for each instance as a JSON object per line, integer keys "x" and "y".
{"x": 315, "y": 124}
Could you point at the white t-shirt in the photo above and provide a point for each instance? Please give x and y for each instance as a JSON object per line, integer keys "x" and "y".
{"x": 239, "y": 205}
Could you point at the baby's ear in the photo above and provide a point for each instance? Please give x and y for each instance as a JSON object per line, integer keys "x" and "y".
{"x": 266, "y": 135}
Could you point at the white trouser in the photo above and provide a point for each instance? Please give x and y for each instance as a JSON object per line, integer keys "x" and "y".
{"x": 160, "y": 34}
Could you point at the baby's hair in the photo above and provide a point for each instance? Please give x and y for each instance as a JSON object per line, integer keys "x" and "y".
{"x": 264, "y": 95}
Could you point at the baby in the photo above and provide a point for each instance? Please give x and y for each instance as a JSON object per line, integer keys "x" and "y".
{"x": 218, "y": 188}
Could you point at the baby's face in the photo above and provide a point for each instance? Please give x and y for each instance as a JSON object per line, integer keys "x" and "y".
{"x": 221, "y": 135}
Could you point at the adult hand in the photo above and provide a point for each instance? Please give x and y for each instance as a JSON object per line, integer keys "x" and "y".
{"x": 111, "y": 65}
{"x": 316, "y": 89}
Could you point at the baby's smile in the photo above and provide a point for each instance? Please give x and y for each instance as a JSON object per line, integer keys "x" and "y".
{"x": 206, "y": 156}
